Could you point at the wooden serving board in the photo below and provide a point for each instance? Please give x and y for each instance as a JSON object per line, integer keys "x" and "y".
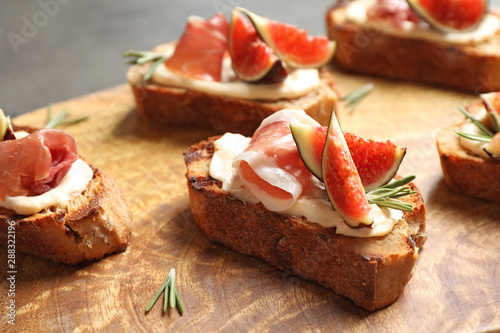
{"x": 455, "y": 285}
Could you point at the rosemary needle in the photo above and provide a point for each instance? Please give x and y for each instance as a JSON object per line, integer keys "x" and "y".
{"x": 151, "y": 70}
{"x": 158, "y": 293}
{"x": 165, "y": 294}
{"x": 142, "y": 57}
{"x": 476, "y": 122}
{"x": 170, "y": 294}
{"x": 172, "y": 291}
{"x": 475, "y": 137}
{"x": 355, "y": 97}
{"x": 59, "y": 118}
{"x": 387, "y": 195}
{"x": 399, "y": 182}
{"x": 180, "y": 308}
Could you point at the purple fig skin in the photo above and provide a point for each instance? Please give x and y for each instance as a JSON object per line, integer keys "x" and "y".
{"x": 276, "y": 74}
{"x": 9, "y": 135}
{"x": 492, "y": 153}
{"x": 6, "y": 128}
{"x": 253, "y": 61}
{"x": 261, "y": 24}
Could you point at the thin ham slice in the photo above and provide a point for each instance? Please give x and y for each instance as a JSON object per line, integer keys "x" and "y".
{"x": 397, "y": 11}
{"x": 200, "y": 50}
{"x": 271, "y": 167}
{"x": 36, "y": 163}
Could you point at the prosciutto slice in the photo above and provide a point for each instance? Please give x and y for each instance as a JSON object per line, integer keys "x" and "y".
{"x": 397, "y": 11}
{"x": 200, "y": 50}
{"x": 271, "y": 167}
{"x": 36, "y": 163}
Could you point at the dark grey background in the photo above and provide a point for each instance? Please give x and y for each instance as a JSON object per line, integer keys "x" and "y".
{"x": 53, "y": 50}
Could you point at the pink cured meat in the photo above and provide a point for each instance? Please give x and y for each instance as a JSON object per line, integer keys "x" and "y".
{"x": 200, "y": 50}
{"x": 272, "y": 164}
{"x": 398, "y": 11}
{"x": 36, "y": 163}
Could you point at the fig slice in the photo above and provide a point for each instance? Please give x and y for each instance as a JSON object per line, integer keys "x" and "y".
{"x": 310, "y": 141}
{"x": 376, "y": 161}
{"x": 6, "y": 132}
{"x": 491, "y": 102}
{"x": 493, "y": 147}
{"x": 450, "y": 15}
{"x": 252, "y": 59}
{"x": 292, "y": 45}
{"x": 342, "y": 182}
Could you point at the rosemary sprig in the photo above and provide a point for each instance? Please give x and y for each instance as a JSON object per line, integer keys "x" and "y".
{"x": 394, "y": 204}
{"x": 142, "y": 57}
{"x": 170, "y": 297}
{"x": 388, "y": 195}
{"x": 59, "y": 118}
{"x": 355, "y": 97}
{"x": 476, "y": 122}
{"x": 399, "y": 182}
{"x": 475, "y": 137}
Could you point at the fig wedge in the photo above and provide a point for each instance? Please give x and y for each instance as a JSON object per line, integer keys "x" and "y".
{"x": 252, "y": 59}
{"x": 342, "y": 182}
{"x": 450, "y": 15}
{"x": 491, "y": 102}
{"x": 376, "y": 161}
{"x": 493, "y": 147}
{"x": 292, "y": 45}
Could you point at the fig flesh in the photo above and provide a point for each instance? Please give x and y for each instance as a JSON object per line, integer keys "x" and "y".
{"x": 292, "y": 45}
{"x": 252, "y": 59}
{"x": 342, "y": 182}
{"x": 450, "y": 15}
{"x": 376, "y": 161}
{"x": 491, "y": 102}
{"x": 493, "y": 148}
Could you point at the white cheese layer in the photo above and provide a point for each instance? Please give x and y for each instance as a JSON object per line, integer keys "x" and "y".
{"x": 356, "y": 12}
{"x": 315, "y": 208}
{"x": 298, "y": 83}
{"x": 74, "y": 182}
{"x": 471, "y": 146}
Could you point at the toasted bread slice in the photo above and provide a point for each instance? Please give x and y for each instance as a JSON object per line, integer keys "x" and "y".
{"x": 95, "y": 223}
{"x": 372, "y": 272}
{"x": 191, "y": 108}
{"x": 465, "y": 173}
{"x": 368, "y": 50}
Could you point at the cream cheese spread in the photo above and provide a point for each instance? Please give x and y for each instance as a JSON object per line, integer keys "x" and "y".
{"x": 20, "y": 134}
{"x": 314, "y": 208}
{"x": 298, "y": 83}
{"x": 471, "y": 146}
{"x": 356, "y": 12}
{"x": 74, "y": 182}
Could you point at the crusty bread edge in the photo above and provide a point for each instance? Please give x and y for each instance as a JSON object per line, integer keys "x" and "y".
{"x": 353, "y": 267}
{"x": 464, "y": 173}
{"x": 86, "y": 230}
{"x": 371, "y": 52}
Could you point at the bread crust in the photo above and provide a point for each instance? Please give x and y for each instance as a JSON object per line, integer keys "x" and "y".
{"x": 370, "y": 271}
{"x": 465, "y": 173}
{"x": 190, "y": 108}
{"x": 367, "y": 50}
{"x": 95, "y": 223}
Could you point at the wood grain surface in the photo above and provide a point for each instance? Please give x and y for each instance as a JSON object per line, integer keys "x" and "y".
{"x": 455, "y": 285}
